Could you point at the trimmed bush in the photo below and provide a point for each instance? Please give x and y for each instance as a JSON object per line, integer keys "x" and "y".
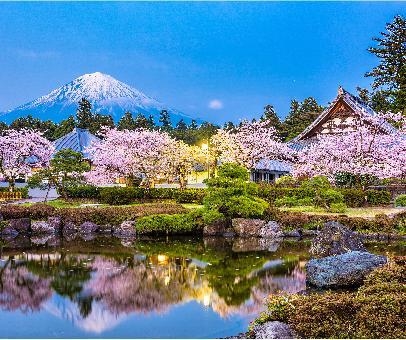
{"x": 83, "y": 191}
{"x": 354, "y": 198}
{"x": 170, "y": 224}
{"x": 378, "y": 197}
{"x": 338, "y": 208}
{"x": 400, "y": 201}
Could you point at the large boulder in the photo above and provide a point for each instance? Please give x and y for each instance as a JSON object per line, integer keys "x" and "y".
{"x": 56, "y": 223}
{"x": 216, "y": 228}
{"x": 6, "y": 230}
{"x": 271, "y": 230}
{"x": 273, "y": 330}
{"x": 334, "y": 239}
{"x": 42, "y": 227}
{"x": 248, "y": 227}
{"x": 69, "y": 229}
{"x": 88, "y": 228}
{"x": 125, "y": 229}
{"x": 21, "y": 225}
{"x": 342, "y": 270}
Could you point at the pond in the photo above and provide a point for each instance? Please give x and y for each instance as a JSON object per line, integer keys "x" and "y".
{"x": 150, "y": 288}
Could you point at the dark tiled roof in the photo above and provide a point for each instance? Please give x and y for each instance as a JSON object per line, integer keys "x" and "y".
{"x": 273, "y": 165}
{"x": 78, "y": 140}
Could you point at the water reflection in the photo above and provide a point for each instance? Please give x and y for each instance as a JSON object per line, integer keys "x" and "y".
{"x": 96, "y": 286}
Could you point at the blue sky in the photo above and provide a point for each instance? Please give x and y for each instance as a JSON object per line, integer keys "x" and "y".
{"x": 216, "y": 60}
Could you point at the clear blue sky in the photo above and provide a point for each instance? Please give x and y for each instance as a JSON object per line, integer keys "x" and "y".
{"x": 220, "y": 61}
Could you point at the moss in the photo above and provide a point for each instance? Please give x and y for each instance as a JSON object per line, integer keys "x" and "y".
{"x": 376, "y": 310}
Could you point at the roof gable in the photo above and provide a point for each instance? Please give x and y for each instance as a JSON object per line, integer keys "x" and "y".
{"x": 78, "y": 140}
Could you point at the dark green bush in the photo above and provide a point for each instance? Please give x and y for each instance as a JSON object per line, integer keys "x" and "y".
{"x": 354, "y": 197}
{"x": 337, "y": 208}
{"x": 400, "y": 201}
{"x": 170, "y": 224}
{"x": 190, "y": 196}
{"x": 120, "y": 195}
{"x": 326, "y": 197}
{"x": 378, "y": 197}
{"x": 83, "y": 191}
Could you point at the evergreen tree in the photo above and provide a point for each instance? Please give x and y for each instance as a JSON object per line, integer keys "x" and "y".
{"x": 29, "y": 122}
{"x": 390, "y": 75}
{"x": 141, "y": 121}
{"x": 181, "y": 125}
{"x": 165, "y": 120}
{"x": 64, "y": 127}
{"x": 3, "y": 127}
{"x": 126, "y": 122}
{"x": 151, "y": 122}
{"x": 300, "y": 116}
{"x": 229, "y": 126}
{"x": 193, "y": 125}
{"x": 100, "y": 121}
{"x": 270, "y": 116}
{"x": 84, "y": 115}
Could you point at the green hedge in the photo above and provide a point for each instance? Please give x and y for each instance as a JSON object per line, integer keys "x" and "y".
{"x": 127, "y": 195}
{"x": 400, "y": 201}
{"x": 170, "y": 224}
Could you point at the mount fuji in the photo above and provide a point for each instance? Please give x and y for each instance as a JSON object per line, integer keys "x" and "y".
{"x": 106, "y": 94}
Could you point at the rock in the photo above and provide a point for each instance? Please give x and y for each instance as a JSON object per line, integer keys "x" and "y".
{"x": 125, "y": 229}
{"x": 88, "y": 228}
{"x": 273, "y": 330}
{"x": 56, "y": 223}
{"x": 335, "y": 238}
{"x": 342, "y": 270}
{"x": 271, "y": 230}
{"x": 215, "y": 229}
{"x": 217, "y": 243}
{"x": 42, "y": 227}
{"x": 8, "y": 231}
{"x": 292, "y": 233}
{"x": 21, "y": 225}
{"x": 308, "y": 232}
{"x": 69, "y": 229}
{"x": 247, "y": 227}
{"x": 246, "y": 244}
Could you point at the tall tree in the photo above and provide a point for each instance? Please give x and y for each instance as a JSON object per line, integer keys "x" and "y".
{"x": 64, "y": 127}
{"x": 389, "y": 76}
{"x": 272, "y": 118}
{"x": 299, "y": 117}
{"x": 126, "y": 122}
{"x": 193, "y": 125}
{"x": 84, "y": 115}
{"x": 101, "y": 121}
{"x": 165, "y": 119}
{"x": 141, "y": 122}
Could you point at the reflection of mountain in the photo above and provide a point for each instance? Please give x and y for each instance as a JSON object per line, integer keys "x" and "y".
{"x": 96, "y": 293}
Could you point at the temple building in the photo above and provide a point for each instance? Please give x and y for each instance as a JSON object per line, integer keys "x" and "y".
{"x": 339, "y": 117}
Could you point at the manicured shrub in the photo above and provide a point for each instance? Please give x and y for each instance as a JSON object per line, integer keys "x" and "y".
{"x": 400, "y": 201}
{"x": 83, "y": 191}
{"x": 326, "y": 197}
{"x": 378, "y": 197}
{"x": 190, "y": 196}
{"x": 169, "y": 224}
{"x": 354, "y": 197}
{"x": 120, "y": 196}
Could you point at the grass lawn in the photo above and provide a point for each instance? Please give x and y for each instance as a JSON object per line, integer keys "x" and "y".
{"x": 366, "y": 212}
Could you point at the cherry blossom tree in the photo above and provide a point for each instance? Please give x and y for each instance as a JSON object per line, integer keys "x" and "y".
{"x": 21, "y": 151}
{"x": 249, "y": 143}
{"x": 139, "y": 153}
{"x": 374, "y": 147}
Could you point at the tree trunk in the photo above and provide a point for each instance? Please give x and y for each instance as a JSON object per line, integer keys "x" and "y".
{"x": 11, "y": 184}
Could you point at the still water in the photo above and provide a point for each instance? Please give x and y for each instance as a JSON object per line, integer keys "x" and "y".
{"x": 165, "y": 288}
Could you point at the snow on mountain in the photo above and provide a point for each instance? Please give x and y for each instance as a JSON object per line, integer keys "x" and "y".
{"x": 106, "y": 94}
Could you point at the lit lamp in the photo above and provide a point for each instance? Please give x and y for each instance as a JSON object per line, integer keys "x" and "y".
{"x": 205, "y": 148}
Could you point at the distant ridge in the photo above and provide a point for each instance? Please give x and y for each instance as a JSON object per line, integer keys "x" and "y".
{"x": 106, "y": 94}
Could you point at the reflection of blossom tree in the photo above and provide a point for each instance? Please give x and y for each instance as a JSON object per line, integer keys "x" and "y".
{"x": 137, "y": 289}
{"x": 20, "y": 289}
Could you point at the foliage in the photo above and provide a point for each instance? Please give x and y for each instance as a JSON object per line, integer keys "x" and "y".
{"x": 389, "y": 76}
{"x": 378, "y": 197}
{"x": 338, "y": 207}
{"x": 83, "y": 191}
{"x": 170, "y": 224}
{"x": 376, "y": 310}
{"x": 400, "y": 201}
{"x": 93, "y": 122}
{"x": 23, "y": 190}
{"x": 232, "y": 195}
{"x": 66, "y": 168}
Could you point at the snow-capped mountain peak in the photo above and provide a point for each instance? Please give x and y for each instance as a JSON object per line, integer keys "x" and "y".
{"x": 106, "y": 94}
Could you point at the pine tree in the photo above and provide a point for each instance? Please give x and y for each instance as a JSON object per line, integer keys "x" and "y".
{"x": 84, "y": 115}
{"x": 126, "y": 122}
{"x": 141, "y": 121}
{"x": 151, "y": 122}
{"x": 229, "y": 126}
{"x": 64, "y": 127}
{"x": 389, "y": 76}
{"x": 193, "y": 125}
{"x": 101, "y": 121}
{"x": 181, "y": 125}
{"x": 270, "y": 116}
{"x": 165, "y": 119}
{"x": 300, "y": 116}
